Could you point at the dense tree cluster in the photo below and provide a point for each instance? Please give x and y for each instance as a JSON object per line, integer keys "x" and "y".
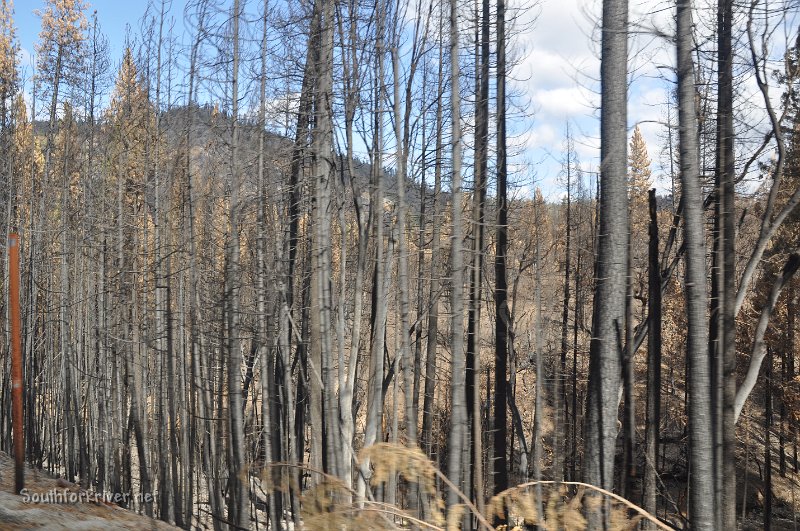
{"x": 279, "y": 269}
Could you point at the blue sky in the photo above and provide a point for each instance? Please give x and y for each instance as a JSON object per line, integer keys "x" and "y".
{"x": 113, "y": 16}
{"x": 555, "y": 77}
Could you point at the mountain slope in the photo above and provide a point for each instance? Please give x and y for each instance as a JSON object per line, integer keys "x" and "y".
{"x": 52, "y": 503}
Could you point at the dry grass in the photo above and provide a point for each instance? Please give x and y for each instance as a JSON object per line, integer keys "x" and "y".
{"x": 330, "y": 504}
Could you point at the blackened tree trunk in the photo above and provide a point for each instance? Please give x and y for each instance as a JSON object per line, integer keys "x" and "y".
{"x": 539, "y": 399}
{"x": 503, "y": 316}
{"x": 768, "y": 446}
{"x": 628, "y": 471}
{"x": 293, "y": 391}
{"x": 475, "y": 286}
{"x": 653, "y": 419}
{"x": 560, "y": 394}
{"x": 725, "y": 175}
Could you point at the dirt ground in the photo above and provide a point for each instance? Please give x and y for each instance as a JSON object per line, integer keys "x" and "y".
{"x": 53, "y": 503}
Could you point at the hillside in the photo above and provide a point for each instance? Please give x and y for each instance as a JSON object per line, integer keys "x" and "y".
{"x": 19, "y": 512}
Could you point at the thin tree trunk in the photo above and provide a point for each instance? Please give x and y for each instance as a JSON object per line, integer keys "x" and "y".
{"x": 653, "y": 420}
{"x": 435, "y": 272}
{"x": 422, "y": 305}
{"x": 783, "y": 412}
{"x": 502, "y": 314}
{"x": 768, "y": 445}
{"x": 473, "y": 469}
{"x": 577, "y": 313}
{"x": 174, "y": 437}
{"x": 560, "y": 395}
{"x": 628, "y": 472}
{"x": 363, "y": 220}
{"x": 402, "y": 256}
{"x": 204, "y": 408}
{"x": 376, "y": 369}
{"x": 458, "y": 417}
{"x": 538, "y": 330}
{"x": 791, "y": 312}
{"x": 293, "y": 403}
{"x": 265, "y": 339}
{"x": 759, "y": 348}
{"x": 239, "y": 502}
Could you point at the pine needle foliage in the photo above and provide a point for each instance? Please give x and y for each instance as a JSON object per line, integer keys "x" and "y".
{"x": 9, "y": 48}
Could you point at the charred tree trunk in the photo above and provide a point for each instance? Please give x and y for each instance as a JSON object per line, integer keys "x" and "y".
{"x": 725, "y": 171}
{"x": 502, "y": 314}
{"x": 653, "y": 420}
{"x": 768, "y": 445}
{"x": 560, "y": 395}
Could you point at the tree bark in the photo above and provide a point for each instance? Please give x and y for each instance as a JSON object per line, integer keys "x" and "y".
{"x": 725, "y": 176}
{"x": 701, "y": 487}
{"x": 322, "y": 306}
{"x": 560, "y": 395}
{"x": 653, "y": 420}
{"x": 502, "y": 314}
{"x": 239, "y": 503}
{"x": 376, "y": 366}
{"x": 759, "y": 348}
{"x": 476, "y": 271}
{"x": 611, "y": 266}
{"x": 435, "y": 272}
{"x": 265, "y": 344}
{"x": 768, "y": 446}
{"x": 540, "y": 377}
{"x": 458, "y": 416}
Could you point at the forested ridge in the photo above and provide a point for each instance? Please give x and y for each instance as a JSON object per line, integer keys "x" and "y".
{"x": 282, "y": 268}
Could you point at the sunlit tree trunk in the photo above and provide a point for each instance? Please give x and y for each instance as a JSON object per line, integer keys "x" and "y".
{"x": 458, "y": 416}
{"x": 608, "y": 322}
{"x": 701, "y": 485}
{"x": 322, "y": 148}
{"x": 376, "y": 368}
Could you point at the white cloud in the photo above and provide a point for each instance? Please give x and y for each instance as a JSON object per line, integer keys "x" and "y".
{"x": 559, "y": 76}
{"x": 541, "y": 135}
{"x": 562, "y": 102}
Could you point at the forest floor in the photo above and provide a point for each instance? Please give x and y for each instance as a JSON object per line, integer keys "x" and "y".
{"x": 53, "y": 503}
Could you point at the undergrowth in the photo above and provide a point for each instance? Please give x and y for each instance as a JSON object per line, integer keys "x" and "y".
{"x": 329, "y": 504}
